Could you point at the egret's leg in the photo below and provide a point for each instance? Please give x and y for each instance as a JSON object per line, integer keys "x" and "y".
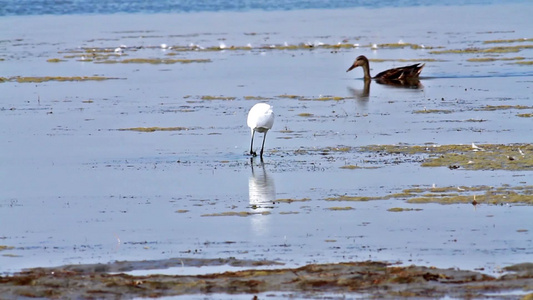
{"x": 263, "y": 145}
{"x": 252, "y": 144}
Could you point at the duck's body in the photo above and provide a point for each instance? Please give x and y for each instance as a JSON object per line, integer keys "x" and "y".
{"x": 396, "y": 75}
{"x": 260, "y": 119}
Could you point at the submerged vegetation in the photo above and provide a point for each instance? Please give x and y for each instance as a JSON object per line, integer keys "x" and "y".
{"x": 491, "y": 59}
{"x": 511, "y": 157}
{"x": 470, "y": 157}
{"x": 340, "y": 208}
{"x": 55, "y": 60}
{"x": 529, "y": 115}
{"x": 508, "y": 41}
{"x": 401, "y": 209}
{"x": 503, "y": 107}
{"x": 153, "y": 61}
{"x": 501, "y": 49}
{"x": 236, "y": 213}
{"x": 474, "y": 195}
{"x": 21, "y": 79}
{"x": 529, "y": 62}
{"x": 433, "y": 111}
{"x": 105, "y": 55}
{"x": 152, "y": 129}
{"x": 217, "y": 98}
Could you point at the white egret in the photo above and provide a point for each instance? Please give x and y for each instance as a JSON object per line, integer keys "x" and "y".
{"x": 260, "y": 119}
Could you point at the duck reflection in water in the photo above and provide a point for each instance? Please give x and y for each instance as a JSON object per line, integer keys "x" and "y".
{"x": 361, "y": 95}
{"x": 262, "y": 194}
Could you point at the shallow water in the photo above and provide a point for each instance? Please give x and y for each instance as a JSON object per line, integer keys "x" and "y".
{"x": 76, "y": 189}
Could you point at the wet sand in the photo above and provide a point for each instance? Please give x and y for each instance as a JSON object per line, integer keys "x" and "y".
{"x": 139, "y": 153}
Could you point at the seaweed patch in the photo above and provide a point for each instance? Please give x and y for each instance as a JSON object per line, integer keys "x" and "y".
{"x": 474, "y": 195}
{"x": 153, "y": 61}
{"x": 21, "y": 79}
{"x": 502, "y": 49}
{"x": 370, "y": 278}
{"x": 433, "y": 111}
{"x": 153, "y": 129}
{"x": 236, "y": 213}
{"x": 469, "y": 157}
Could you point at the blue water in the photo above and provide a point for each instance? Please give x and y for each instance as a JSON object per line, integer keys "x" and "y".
{"x": 69, "y": 7}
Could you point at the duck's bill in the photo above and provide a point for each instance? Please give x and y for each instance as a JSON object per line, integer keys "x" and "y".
{"x": 351, "y": 68}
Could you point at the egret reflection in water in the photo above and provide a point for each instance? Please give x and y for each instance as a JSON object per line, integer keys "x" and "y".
{"x": 262, "y": 194}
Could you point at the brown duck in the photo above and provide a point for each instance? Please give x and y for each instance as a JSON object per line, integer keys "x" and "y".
{"x": 407, "y": 75}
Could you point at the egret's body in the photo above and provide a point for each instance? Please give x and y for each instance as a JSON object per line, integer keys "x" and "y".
{"x": 260, "y": 119}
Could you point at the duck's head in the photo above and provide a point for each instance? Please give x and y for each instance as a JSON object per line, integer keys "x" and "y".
{"x": 360, "y": 61}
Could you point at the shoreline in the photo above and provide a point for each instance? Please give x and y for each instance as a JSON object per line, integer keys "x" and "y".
{"x": 358, "y": 279}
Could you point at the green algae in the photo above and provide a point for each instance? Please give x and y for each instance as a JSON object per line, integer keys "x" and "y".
{"x": 338, "y": 149}
{"x": 261, "y": 98}
{"x": 433, "y": 111}
{"x": 492, "y": 199}
{"x": 207, "y": 97}
{"x": 401, "y": 46}
{"x": 21, "y": 79}
{"x": 487, "y": 157}
{"x": 327, "y": 98}
{"x": 290, "y": 200}
{"x": 55, "y": 60}
{"x": 153, "y": 129}
{"x": 530, "y": 115}
{"x": 503, "y": 107}
{"x": 307, "y": 115}
{"x": 475, "y": 195}
{"x": 153, "y": 61}
{"x": 234, "y": 213}
{"x": 353, "y": 198}
{"x": 289, "y": 96}
{"x": 401, "y": 209}
{"x": 337, "y": 208}
{"x": 89, "y": 55}
{"x": 406, "y": 60}
{"x": 323, "y": 151}
{"x": 508, "y": 49}
{"x": 350, "y": 167}
{"x": 478, "y": 195}
{"x": 529, "y": 62}
{"x": 3, "y": 247}
{"x": 11, "y": 255}
{"x": 480, "y": 157}
{"x": 491, "y": 59}
{"x": 255, "y": 98}
{"x": 508, "y": 41}
{"x": 319, "y": 98}
{"x": 95, "y": 50}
